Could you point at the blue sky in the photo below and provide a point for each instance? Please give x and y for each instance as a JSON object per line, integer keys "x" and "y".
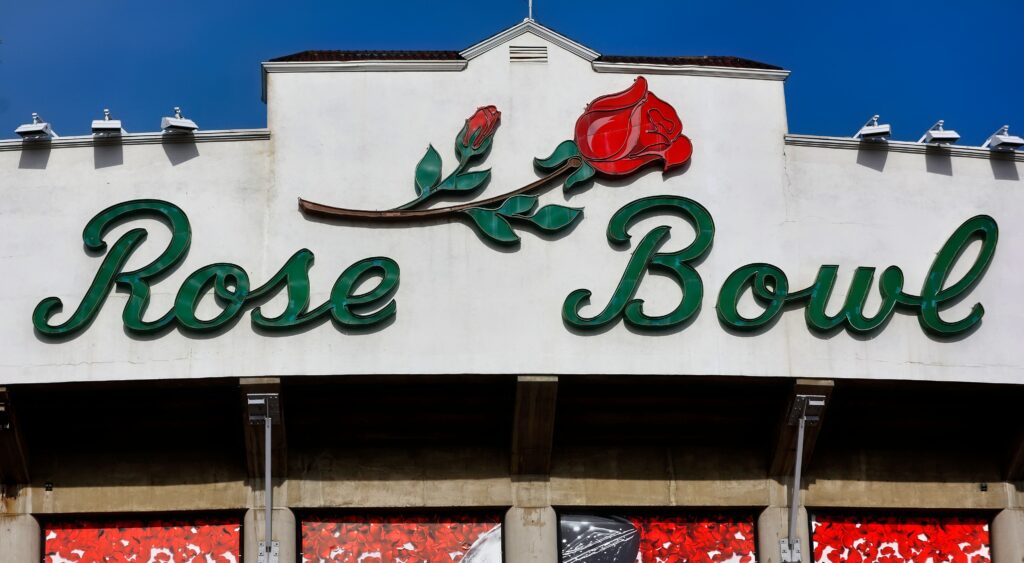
{"x": 914, "y": 62}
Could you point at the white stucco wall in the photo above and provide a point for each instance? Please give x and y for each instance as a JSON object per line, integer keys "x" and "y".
{"x": 352, "y": 139}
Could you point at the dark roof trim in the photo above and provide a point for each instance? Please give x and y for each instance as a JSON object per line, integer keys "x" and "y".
{"x": 344, "y": 56}
{"x": 347, "y": 56}
{"x": 716, "y": 61}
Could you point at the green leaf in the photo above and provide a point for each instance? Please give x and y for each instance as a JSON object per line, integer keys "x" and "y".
{"x": 469, "y": 181}
{"x": 581, "y": 175}
{"x": 563, "y": 152}
{"x": 428, "y": 171}
{"x": 554, "y": 217}
{"x": 492, "y": 225}
{"x": 517, "y": 205}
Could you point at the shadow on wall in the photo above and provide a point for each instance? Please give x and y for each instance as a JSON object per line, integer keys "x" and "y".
{"x": 1004, "y": 167}
{"x": 34, "y": 155}
{"x": 104, "y": 156}
{"x": 871, "y": 157}
{"x": 178, "y": 151}
{"x": 938, "y": 161}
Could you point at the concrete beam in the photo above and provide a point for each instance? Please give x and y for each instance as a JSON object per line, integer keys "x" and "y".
{"x": 1015, "y": 469}
{"x": 784, "y": 456}
{"x": 533, "y": 426}
{"x": 13, "y": 460}
{"x": 254, "y": 432}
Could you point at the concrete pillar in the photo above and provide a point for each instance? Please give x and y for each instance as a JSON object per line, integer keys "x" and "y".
{"x": 531, "y": 535}
{"x": 1007, "y": 535}
{"x": 20, "y": 539}
{"x": 773, "y": 525}
{"x": 285, "y": 532}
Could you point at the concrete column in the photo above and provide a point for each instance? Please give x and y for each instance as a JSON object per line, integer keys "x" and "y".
{"x": 20, "y": 539}
{"x": 285, "y": 532}
{"x": 773, "y": 525}
{"x": 1007, "y": 535}
{"x": 531, "y": 535}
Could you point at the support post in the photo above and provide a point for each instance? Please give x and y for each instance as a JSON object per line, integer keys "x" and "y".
{"x": 1007, "y": 535}
{"x": 20, "y": 538}
{"x": 285, "y": 526}
{"x": 531, "y": 535}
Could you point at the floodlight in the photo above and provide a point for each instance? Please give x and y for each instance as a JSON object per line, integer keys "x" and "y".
{"x": 1002, "y": 140}
{"x": 106, "y": 127}
{"x": 178, "y": 123}
{"x": 872, "y": 131}
{"x": 939, "y": 136}
{"x": 262, "y": 406}
{"x": 38, "y": 130}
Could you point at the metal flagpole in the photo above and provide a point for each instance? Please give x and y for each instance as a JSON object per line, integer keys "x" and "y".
{"x": 268, "y": 494}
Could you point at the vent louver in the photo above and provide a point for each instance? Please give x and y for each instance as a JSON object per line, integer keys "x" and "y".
{"x": 526, "y": 54}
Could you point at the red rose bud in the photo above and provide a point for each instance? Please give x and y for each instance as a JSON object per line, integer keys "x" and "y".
{"x": 619, "y": 133}
{"x": 480, "y": 126}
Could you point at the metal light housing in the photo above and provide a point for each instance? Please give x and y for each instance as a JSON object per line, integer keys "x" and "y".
{"x": 939, "y": 136}
{"x": 38, "y": 130}
{"x": 107, "y": 127}
{"x": 1002, "y": 140}
{"x": 873, "y": 131}
{"x": 178, "y": 124}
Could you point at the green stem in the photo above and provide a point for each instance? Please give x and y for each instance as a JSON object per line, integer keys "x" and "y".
{"x": 311, "y": 208}
{"x": 428, "y": 193}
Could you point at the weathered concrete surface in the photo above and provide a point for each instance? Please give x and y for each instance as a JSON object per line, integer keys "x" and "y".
{"x": 400, "y": 478}
{"x": 1008, "y": 536}
{"x": 285, "y": 532}
{"x": 531, "y": 535}
{"x": 657, "y": 477}
{"x": 889, "y": 494}
{"x": 19, "y": 539}
{"x": 116, "y": 498}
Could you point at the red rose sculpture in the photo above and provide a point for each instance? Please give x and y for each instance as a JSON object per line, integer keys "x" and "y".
{"x": 480, "y": 127}
{"x": 619, "y": 133}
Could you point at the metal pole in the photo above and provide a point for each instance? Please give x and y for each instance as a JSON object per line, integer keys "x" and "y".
{"x": 793, "y": 506}
{"x": 268, "y": 494}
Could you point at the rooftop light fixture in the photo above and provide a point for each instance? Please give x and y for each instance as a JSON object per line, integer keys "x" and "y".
{"x": 872, "y": 131}
{"x": 178, "y": 123}
{"x": 1002, "y": 140}
{"x": 939, "y": 136}
{"x": 107, "y": 127}
{"x": 38, "y": 130}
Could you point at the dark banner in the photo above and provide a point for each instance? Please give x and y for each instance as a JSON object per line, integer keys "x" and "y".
{"x": 593, "y": 538}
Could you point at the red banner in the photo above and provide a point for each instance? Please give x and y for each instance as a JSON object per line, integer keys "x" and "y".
{"x": 207, "y": 540}
{"x": 894, "y": 539}
{"x": 434, "y": 538}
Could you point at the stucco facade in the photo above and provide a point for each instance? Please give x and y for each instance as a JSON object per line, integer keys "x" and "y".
{"x": 477, "y": 392}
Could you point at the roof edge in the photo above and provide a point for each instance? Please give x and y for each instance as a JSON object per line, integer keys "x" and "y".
{"x": 692, "y": 70}
{"x": 530, "y": 26}
{"x": 849, "y": 143}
